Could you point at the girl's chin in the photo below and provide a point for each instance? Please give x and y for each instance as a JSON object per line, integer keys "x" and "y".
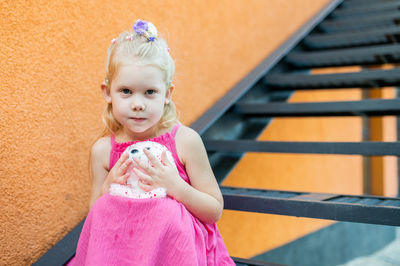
{"x": 141, "y": 130}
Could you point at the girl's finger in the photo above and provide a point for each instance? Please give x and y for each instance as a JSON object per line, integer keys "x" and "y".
{"x": 154, "y": 161}
{"x": 117, "y": 166}
{"x": 122, "y": 180}
{"x": 125, "y": 178}
{"x": 121, "y": 159}
{"x": 143, "y": 177}
{"x": 145, "y": 187}
{"x": 125, "y": 166}
{"x": 142, "y": 165}
{"x": 164, "y": 159}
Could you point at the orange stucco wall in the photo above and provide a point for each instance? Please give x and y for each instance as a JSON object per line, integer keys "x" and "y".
{"x": 52, "y": 57}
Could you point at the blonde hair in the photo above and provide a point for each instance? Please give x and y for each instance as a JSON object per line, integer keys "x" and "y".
{"x": 130, "y": 47}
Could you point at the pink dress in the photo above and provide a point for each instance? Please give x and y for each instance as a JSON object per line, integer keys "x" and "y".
{"x": 155, "y": 231}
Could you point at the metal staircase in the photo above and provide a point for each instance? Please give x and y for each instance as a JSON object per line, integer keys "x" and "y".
{"x": 353, "y": 32}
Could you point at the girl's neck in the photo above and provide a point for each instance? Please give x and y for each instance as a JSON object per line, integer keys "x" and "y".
{"x": 126, "y": 136}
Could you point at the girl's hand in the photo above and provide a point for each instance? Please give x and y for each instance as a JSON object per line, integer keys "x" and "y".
{"x": 118, "y": 173}
{"x": 159, "y": 174}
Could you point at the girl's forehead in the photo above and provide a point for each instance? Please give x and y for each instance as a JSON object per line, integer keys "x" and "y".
{"x": 140, "y": 75}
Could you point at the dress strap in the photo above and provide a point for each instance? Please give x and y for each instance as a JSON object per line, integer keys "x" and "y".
{"x": 112, "y": 138}
{"x": 176, "y": 127}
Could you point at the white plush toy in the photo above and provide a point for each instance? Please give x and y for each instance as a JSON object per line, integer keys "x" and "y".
{"x": 132, "y": 190}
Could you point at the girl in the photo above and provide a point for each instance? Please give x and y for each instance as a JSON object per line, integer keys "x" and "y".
{"x": 176, "y": 230}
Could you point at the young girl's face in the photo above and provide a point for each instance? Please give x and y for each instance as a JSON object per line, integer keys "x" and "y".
{"x": 138, "y": 94}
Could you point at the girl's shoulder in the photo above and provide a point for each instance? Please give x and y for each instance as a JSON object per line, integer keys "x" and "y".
{"x": 188, "y": 141}
{"x": 102, "y": 144}
{"x": 101, "y": 150}
{"x": 187, "y": 135}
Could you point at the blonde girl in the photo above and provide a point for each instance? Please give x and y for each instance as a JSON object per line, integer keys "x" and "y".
{"x": 179, "y": 229}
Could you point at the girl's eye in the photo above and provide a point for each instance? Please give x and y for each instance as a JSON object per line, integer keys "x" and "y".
{"x": 125, "y": 91}
{"x": 150, "y": 92}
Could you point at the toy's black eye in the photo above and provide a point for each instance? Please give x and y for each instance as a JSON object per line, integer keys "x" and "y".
{"x": 134, "y": 151}
{"x": 148, "y": 148}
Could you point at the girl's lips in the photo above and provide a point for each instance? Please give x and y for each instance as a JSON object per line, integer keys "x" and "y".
{"x": 138, "y": 119}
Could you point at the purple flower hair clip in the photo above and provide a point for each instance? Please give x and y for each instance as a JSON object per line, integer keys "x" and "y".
{"x": 140, "y": 27}
{"x": 146, "y": 29}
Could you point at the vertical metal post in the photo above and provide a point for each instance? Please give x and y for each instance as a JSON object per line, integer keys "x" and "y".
{"x": 397, "y": 95}
{"x": 366, "y": 162}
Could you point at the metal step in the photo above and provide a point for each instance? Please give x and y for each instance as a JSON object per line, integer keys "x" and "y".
{"x": 251, "y": 262}
{"x": 365, "y": 10}
{"x": 384, "y": 35}
{"x": 367, "y": 148}
{"x": 356, "y": 3}
{"x": 350, "y": 208}
{"x": 362, "y": 79}
{"x": 370, "y": 107}
{"x": 373, "y": 21}
{"x": 379, "y": 54}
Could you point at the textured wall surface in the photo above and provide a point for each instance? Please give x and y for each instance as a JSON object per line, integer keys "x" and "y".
{"x": 52, "y": 57}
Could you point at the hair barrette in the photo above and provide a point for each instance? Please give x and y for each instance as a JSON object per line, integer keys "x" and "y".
{"x": 145, "y": 28}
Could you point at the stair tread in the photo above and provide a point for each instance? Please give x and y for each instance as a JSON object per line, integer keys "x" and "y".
{"x": 364, "y": 79}
{"x": 352, "y": 23}
{"x": 349, "y": 56}
{"x": 356, "y": 3}
{"x": 338, "y": 108}
{"x": 351, "y": 208}
{"x": 348, "y": 11}
{"x": 241, "y": 261}
{"x": 353, "y": 38}
{"x": 367, "y": 148}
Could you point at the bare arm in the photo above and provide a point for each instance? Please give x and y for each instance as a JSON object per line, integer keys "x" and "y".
{"x": 203, "y": 198}
{"x": 99, "y": 167}
{"x": 102, "y": 176}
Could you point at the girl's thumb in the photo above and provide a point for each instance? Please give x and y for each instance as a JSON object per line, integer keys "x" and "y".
{"x": 164, "y": 158}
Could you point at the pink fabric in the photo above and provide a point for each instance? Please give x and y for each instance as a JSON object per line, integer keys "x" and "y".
{"x": 167, "y": 139}
{"x": 157, "y": 231}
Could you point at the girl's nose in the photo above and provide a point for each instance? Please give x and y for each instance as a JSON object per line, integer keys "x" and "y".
{"x": 137, "y": 106}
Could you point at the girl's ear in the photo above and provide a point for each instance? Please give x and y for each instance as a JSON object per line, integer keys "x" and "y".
{"x": 106, "y": 92}
{"x": 169, "y": 95}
